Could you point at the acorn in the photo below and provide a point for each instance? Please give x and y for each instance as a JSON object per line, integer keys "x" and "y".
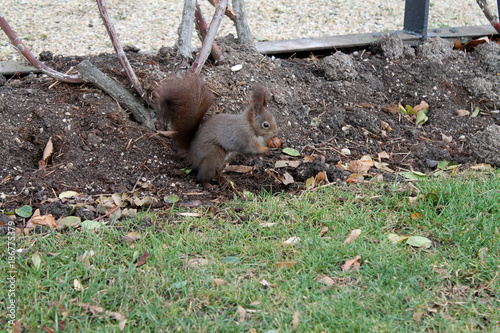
{"x": 274, "y": 142}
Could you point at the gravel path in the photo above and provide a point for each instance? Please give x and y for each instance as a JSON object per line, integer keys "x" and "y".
{"x": 74, "y": 27}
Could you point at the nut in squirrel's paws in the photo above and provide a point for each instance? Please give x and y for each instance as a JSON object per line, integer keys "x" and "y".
{"x": 274, "y": 142}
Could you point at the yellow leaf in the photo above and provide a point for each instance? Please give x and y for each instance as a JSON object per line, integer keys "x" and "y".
{"x": 285, "y": 264}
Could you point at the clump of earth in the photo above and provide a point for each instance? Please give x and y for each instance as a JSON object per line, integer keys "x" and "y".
{"x": 332, "y": 109}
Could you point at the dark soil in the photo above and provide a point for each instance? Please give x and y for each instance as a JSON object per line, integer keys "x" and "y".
{"x": 322, "y": 105}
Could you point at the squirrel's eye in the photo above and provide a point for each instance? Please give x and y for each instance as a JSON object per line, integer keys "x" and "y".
{"x": 265, "y": 124}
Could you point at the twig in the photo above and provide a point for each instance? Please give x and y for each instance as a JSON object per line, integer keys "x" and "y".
{"x": 483, "y": 4}
{"x": 210, "y": 38}
{"x": 229, "y": 12}
{"x": 26, "y": 53}
{"x": 108, "y": 23}
{"x": 202, "y": 29}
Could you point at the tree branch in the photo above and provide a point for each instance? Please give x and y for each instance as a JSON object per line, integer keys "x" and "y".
{"x": 210, "y": 38}
{"x": 108, "y": 23}
{"x": 483, "y": 4}
{"x": 202, "y": 29}
{"x": 26, "y": 53}
{"x": 242, "y": 28}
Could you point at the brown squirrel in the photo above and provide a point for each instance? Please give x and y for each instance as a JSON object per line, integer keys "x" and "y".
{"x": 183, "y": 102}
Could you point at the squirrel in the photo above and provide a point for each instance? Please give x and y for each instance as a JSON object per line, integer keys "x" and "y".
{"x": 183, "y": 102}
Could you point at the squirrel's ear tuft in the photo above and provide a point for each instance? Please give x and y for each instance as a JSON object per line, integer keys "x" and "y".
{"x": 259, "y": 96}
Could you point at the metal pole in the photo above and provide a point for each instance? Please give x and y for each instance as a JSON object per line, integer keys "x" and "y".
{"x": 417, "y": 17}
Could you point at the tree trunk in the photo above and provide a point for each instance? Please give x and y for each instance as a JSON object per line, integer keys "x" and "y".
{"x": 242, "y": 28}
{"x": 186, "y": 29}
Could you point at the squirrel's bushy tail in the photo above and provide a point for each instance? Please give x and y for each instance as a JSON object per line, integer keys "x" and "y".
{"x": 183, "y": 103}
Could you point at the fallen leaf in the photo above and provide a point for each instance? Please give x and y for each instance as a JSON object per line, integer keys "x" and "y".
{"x": 383, "y": 154}
{"x": 238, "y": 168}
{"x": 67, "y": 194}
{"x": 43, "y": 220}
{"x": 383, "y": 166}
{"x": 415, "y": 215}
{"x": 462, "y": 113}
{"x": 417, "y": 316}
{"x": 358, "y": 167}
{"x": 285, "y": 264}
{"x": 482, "y": 167}
{"x": 24, "y": 212}
{"x": 68, "y": 222}
{"x": 446, "y": 138}
{"x": 422, "y": 106}
{"x": 295, "y": 320}
{"x": 37, "y": 261}
{"x": 265, "y": 283}
{"x": 197, "y": 262}
{"x": 77, "y": 285}
{"x": 287, "y": 179}
{"x": 323, "y": 231}
{"x": 143, "y": 259}
{"x": 267, "y": 224}
{"x": 190, "y": 214}
{"x": 419, "y": 241}
{"x": 348, "y": 263}
{"x": 309, "y": 183}
{"x": 242, "y": 313}
{"x": 354, "y": 234}
{"x": 219, "y": 282}
{"x": 91, "y": 225}
{"x": 395, "y": 238}
{"x": 291, "y": 241}
{"x": 291, "y": 152}
{"x": 47, "y": 153}
{"x": 326, "y": 280}
{"x": 131, "y": 237}
{"x": 355, "y": 178}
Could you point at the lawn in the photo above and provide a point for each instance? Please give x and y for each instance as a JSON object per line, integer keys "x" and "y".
{"x": 282, "y": 263}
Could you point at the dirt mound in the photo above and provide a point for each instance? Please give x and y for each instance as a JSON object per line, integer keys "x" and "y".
{"x": 323, "y": 107}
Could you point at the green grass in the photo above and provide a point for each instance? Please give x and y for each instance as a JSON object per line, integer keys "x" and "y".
{"x": 454, "y": 286}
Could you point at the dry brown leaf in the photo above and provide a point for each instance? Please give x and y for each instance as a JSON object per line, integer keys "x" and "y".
{"x": 131, "y": 237}
{"x": 242, "y": 313}
{"x": 219, "y": 282}
{"x": 323, "y": 231}
{"x": 238, "y": 168}
{"x": 77, "y": 285}
{"x": 417, "y": 316}
{"x": 358, "y": 167}
{"x": 320, "y": 177}
{"x": 326, "y": 280}
{"x": 265, "y": 283}
{"x": 462, "y": 113}
{"x": 143, "y": 259}
{"x": 267, "y": 224}
{"x": 422, "y": 106}
{"x": 287, "y": 179}
{"x": 446, "y": 138}
{"x": 285, "y": 264}
{"x": 295, "y": 320}
{"x": 383, "y": 154}
{"x": 198, "y": 262}
{"x": 355, "y": 178}
{"x": 348, "y": 263}
{"x": 37, "y": 219}
{"x": 354, "y": 234}
{"x": 47, "y": 153}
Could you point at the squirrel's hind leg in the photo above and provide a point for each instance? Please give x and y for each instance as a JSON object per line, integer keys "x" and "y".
{"x": 210, "y": 166}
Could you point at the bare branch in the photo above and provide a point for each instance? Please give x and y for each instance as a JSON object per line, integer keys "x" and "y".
{"x": 202, "y": 29}
{"x": 26, "y": 53}
{"x": 483, "y": 4}
{"x": 108, "y": 23}
{"x": 91, "y": 74}
{"x": 186, "y": 29}
{"x": 229, "y": 12}
{"x": 210, "y": 38}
